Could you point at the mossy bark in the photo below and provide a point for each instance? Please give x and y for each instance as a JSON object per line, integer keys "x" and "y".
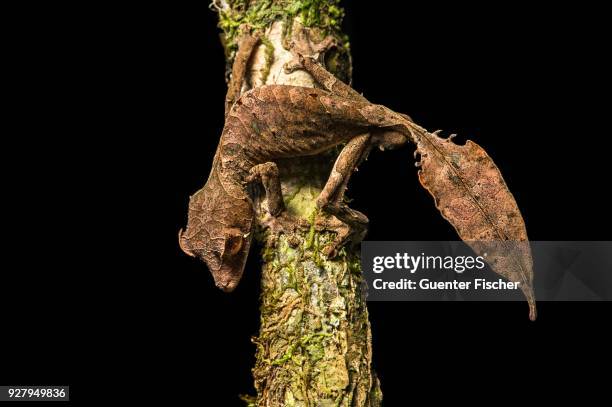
{"x": 314, "y": 344}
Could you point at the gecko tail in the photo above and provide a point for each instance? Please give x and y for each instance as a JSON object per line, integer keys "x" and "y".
{"x": 533, "y": 313}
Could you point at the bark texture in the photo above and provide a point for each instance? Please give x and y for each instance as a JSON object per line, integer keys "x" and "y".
{"x": 314, "y": 344}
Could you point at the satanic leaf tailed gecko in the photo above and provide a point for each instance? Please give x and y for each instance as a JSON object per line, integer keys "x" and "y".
{"x": 273, "y": 122}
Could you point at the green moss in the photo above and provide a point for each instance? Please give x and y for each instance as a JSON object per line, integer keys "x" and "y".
{"x": 312, "y": 231}
{"x": 268, "y": 254}
{"x": 269, "y": 58}
{"x": 258, "y": 14}
{"x": 288, "y": 354}
{"x": 302, "y": 202}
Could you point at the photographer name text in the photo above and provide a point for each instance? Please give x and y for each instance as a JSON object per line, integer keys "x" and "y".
{"x": 405, "y": 262}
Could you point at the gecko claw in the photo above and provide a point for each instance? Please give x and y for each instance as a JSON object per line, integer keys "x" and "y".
{"x": 295, "y": 64}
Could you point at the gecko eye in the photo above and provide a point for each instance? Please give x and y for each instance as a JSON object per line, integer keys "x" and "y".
{"x": 233, "y": 244}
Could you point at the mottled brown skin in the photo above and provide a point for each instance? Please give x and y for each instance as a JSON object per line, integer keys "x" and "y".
{"x": 273, "y": 122}
{"x": 265, "y": 124}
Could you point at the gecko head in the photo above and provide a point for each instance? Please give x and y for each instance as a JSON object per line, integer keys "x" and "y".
{"x": 218, "y": 237}
{"x": 225, "y": 256}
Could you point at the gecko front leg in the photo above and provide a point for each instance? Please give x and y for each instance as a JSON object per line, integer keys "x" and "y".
{"x": 267, "y": 173}
{"x": 278, "y": 220}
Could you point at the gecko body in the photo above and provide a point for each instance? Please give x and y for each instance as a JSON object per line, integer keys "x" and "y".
{"x": 269, "y": 123}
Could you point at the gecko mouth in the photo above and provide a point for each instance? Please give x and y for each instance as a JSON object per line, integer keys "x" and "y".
{"x": 226, "y": 284}
{"x": 226, "y": 278}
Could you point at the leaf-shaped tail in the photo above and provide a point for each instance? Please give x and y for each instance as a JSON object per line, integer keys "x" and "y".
{"x": 472, "y": 195}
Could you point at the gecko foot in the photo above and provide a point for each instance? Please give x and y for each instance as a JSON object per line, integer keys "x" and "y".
{"x": 350, "y": 226}
{"x": 304, "y": 47}
{"x": 295, "y": 64}
{"x": 284, "y": 223}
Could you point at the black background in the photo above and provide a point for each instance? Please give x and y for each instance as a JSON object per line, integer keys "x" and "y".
{"x": 129, "y": 109}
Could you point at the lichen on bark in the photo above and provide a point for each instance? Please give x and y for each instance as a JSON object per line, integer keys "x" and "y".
{"x": 314, "y": 344}
{"x": 323, "y": 16}
{"x": 259, "y": 14}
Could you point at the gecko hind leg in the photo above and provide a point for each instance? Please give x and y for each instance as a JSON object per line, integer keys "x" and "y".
{"x": 345, "y": 234}
{"x": 354, "y": 152}
{"x": 247, "y": 46}
{"x": 331, "y": 198}
{"x": 279, "y": 220}
{"x": 349, "y": 158}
